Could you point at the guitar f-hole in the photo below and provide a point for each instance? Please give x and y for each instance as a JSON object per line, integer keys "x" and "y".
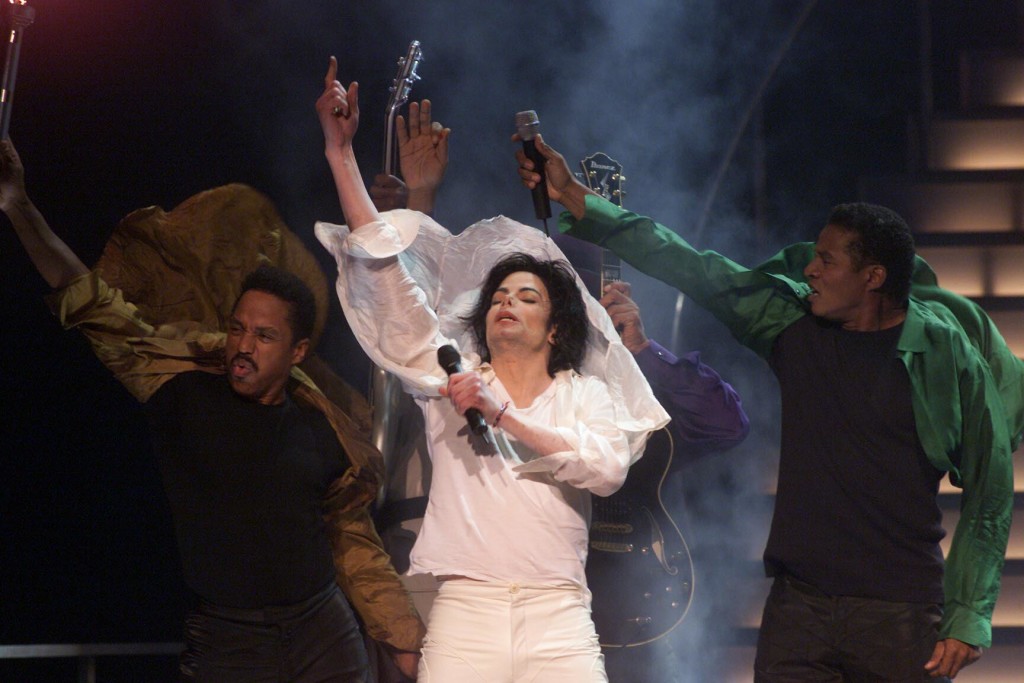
{"x": 658, "y": 544}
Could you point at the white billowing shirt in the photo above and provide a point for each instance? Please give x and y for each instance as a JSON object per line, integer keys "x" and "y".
{"x": 497, "y": 511}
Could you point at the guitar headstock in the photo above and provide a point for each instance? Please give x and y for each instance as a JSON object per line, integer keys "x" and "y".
{"x": 603, "y": 175}
{"x": 406, "y": 76}
{"x": 399, "y": 95}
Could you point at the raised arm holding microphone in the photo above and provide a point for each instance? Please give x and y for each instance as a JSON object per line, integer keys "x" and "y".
{"x": 507, "y": 523}
{"x": 707, "y": 413}
{"x": 883, "y": 393}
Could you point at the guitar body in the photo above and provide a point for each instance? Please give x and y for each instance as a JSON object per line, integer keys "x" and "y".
{"x": 639, "y": 567}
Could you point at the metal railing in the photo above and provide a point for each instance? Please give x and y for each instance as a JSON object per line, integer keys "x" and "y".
{"x": 86, "y": 653}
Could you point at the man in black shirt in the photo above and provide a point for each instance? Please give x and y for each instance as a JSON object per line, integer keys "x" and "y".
{"x": 267, "y": 480}
{"x": 880, "y": 397}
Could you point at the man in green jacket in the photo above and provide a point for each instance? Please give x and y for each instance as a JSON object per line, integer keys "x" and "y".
{"x": 881, "y": 396}
{"x": 1007, "y": 369}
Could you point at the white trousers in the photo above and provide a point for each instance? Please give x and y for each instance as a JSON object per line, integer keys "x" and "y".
{"x": 482, "y": 632}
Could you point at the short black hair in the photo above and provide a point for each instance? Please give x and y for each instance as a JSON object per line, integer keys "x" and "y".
{"x": 568, "y": 312}
{"x": 883, "y": 238}
{"x": 290, "y": 289}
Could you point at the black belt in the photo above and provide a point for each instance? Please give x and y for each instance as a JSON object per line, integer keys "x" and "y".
{"x": 269, "y": 615}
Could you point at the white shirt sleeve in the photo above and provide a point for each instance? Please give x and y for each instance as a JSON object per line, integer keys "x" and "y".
{"x": 405, "y": 282}
{"x": 386, "y": 308}
{"x": 599, "y": 455}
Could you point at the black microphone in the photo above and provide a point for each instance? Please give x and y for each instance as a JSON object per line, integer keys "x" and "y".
{"x": 528, "y": 125}
{"x": 450, "y": 360}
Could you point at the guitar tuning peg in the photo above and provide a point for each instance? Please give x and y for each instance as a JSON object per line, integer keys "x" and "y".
{"x": 622, "y": 178}
{"x": 619, "y": 193}
{"x": 592, "y": 174}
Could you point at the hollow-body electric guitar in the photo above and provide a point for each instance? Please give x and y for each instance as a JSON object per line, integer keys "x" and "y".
{"x": 639, "y": 567}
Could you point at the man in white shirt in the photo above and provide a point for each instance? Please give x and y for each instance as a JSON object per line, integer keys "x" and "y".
{"x": 506, "y": 526}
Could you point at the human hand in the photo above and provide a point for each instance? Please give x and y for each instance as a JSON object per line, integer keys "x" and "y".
{"x": 388, "y": 193}
{"x": 625, "y": 315}
{"x": 950, "y": 656}
{"x": 468, "y": 390}
{"x": 422, "y": 148}
{"x": 407, "y": 663}
{"x": 559, "y": 177}
{"x": 338, "y": 110}
{"x": 12, "y": 176}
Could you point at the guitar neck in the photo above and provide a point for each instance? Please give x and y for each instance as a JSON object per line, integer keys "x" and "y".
{"x": 390, "y": 153}
{"x": 400, "y": 88}
{"x": 611, "y": 269}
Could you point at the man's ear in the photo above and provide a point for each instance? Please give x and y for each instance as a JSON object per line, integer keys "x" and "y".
{"x": 877, "y": 275}
{"x": 299, "y": 351}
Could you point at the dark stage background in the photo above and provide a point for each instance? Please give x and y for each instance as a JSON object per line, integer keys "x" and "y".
{"x": 124, "y": 104}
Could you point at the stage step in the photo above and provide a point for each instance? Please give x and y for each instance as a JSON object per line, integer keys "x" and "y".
{"x": 975, "y": 271}
{"x": 992, "y": 78}
{"x": 1011, "y": 326}
{"x": 991, "y": 271}
{"x": 958, "y": 202}
{"x": 976, "y": 144}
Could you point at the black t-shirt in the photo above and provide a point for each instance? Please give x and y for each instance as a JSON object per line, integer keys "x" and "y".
{"x": 245, "y": 482}
{"x": 856, "y": 511}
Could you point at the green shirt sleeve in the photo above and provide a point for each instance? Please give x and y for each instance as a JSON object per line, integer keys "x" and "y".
{"x": 755, "y": 306}
{"x": 984, "y": 469}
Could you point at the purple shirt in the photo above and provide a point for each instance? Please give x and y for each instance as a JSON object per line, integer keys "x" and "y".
{"x": 707, "y": 414}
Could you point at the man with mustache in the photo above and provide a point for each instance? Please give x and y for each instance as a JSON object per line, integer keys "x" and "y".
{"x": 268, "y": 481}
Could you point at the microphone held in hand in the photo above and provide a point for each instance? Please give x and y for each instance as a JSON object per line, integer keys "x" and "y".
{"x": 450, "y": 360}
{"x": 528, "y": 125}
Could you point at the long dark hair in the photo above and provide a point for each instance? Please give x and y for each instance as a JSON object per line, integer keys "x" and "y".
{"x": 568, "y": 312}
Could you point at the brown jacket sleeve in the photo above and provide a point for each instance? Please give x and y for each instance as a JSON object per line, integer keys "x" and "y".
{"x": 365, "y": 572}
{"x": 364, "y": 569}
{"x": 141, "y": 356}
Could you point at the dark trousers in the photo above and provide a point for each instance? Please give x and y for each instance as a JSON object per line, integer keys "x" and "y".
{"x": 316, "y": 641}
{"x": 809, "y": 636}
